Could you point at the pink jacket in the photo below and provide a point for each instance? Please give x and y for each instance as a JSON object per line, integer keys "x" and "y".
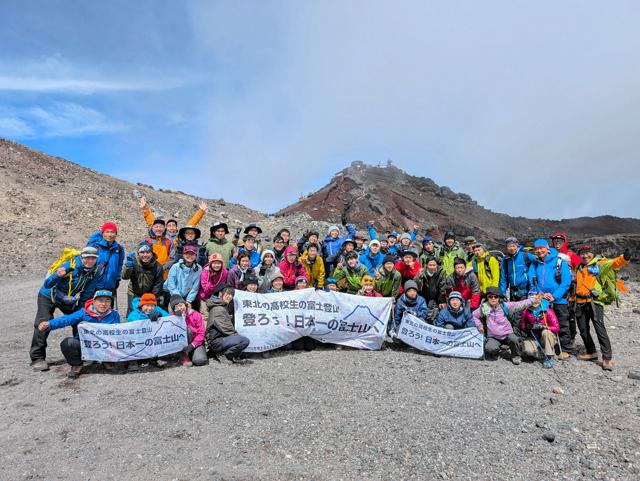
{"x": 291, "y": 271}
{"x": 209, "y": 280}
{"x": 498, "y": 325}
{"x": 529, "y": 319}
{"x": 194, "y": 322}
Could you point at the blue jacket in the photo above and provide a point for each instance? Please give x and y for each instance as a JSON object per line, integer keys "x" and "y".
{"x": 82, "y": 282}
{"x": 370, "y": 261}
{"x": 514, "y": 273}
{"x": 417, "y": 307}
{"x": 110, "y": 260}
{"x": 542, "y": 276}
{"x": 331, "y": 247}
{"x": 254, "y": 258}
{"x": 459, "y": 320}
{"x": 84, "y": 315}
{"x": 183, "y": 280}
{"x": 137, "y": 315}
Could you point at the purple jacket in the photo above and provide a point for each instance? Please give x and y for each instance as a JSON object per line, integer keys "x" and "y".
{"x": 498, "y": 325}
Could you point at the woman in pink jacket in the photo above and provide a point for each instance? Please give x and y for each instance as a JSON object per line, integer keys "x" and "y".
{"x": 213, "y": 275}
{"x": 291, "y": 268}
{"x": 194, "y": 353}
{"x": 541, "y": 325}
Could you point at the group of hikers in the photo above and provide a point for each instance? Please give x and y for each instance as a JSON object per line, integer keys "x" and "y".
{"x": 526, "y": 301}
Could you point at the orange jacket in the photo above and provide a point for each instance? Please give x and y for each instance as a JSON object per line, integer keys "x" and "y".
{"x": 586, "y": 281}
{"x": 194, "y": 221}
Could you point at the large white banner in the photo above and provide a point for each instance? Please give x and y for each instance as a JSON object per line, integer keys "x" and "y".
{"x": 273, "y": 320}
{"x": 132, "y": 340}
{"x": 444, "y": 342}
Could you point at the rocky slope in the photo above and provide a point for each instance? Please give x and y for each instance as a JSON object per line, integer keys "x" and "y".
{"x": 396, "y": 199}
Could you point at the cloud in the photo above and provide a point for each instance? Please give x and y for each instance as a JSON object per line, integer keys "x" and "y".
{"x": 55, "y": 74}
{"x": 58, "y": 119}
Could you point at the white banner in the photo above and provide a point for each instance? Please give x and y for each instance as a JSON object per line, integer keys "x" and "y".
{"x": 132, "y": 340}
{"x": 444, "y": 342}
{"x": 274, "y": 320}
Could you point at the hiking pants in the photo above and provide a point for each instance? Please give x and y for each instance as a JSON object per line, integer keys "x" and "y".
{"x": 46, "y": 308}
{"x": 562, "y": 313}
{"x": 70, "y": 347}
{"x": 593, "y": 312}
{"x": 546, "y": 338}
{"x": 199, "y": 355}
{"x": 230, "y": 346}
{"x": 493, "y": 345}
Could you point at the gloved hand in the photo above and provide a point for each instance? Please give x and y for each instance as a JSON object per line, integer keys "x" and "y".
{"x": 188, "y": 349}
{"x": 627, "y": 255}
{"x": 237, "y": 234}
{"x": 155, "y": 316}
{"x": 131, "y": 259}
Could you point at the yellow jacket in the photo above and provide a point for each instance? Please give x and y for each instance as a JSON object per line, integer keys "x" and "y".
{"x": 486, "y": 277}
{"x": 315, "y": 271}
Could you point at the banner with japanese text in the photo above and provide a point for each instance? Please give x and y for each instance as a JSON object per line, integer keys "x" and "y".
{"x": 416, "y": 333}
{"x": 132, "y": 340}
{"x": 274, "y": 320}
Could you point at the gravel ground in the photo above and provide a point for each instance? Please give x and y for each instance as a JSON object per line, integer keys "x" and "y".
{"x": 327, "y": 414}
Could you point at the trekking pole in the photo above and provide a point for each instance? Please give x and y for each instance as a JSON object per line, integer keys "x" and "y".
{"x": 538, "y": 344}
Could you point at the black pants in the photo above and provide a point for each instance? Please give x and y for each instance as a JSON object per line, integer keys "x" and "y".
{"x": 230, "y": 346}
{"x": 562, "y": 313}
{"x": 46, "y": 308}
{"x": 70, "y": 347}
{"x": 593, "y": 313}
{"x": 572, "y": 321}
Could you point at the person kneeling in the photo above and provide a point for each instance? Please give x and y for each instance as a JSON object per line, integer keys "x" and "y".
{"x": 97, "y": 309}
{"x": 455, "y": 315}
{"x": 222, "y": 336}
{"x": 540, "y": 323}
{"x": 193, "y": 353}
{"x": 497, "y": 316}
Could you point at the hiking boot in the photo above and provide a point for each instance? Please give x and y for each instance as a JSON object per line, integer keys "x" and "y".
{"x": 593, "y": 356}
{"x": 40, "y": 365}
{"x": 74, "y": 372}
{"x": 548, "y": 363}
{"x": 157, "y": 363}
{"x": 607, "y": 364}
{"x": 564, "y": 356}
{"x": 516, "y": 360}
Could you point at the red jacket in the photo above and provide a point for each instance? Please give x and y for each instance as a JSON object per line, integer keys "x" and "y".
{"x": 291, "y": 271}
{"x": 406, "y": 272}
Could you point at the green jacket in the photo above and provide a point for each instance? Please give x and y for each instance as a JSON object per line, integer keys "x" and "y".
{"x": 389, "y": 283}
{"x": 223, "y": 247}
{"x": 448, "y": 256}
{"x": 349, "y": 279}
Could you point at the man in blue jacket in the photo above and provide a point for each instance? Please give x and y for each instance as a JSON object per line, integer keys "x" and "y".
{"x": 184, "y": 278}
{"x": 551, "y": 275}
{"x": 97, "y": 309}
{"x": 514, "y": 272}
{"x": 410, "y": 302}
{"x": 371, "y": 258}
{"x": 67, "y": 289}
{"x": 332, "y": 245}
{"x": 110, "y": 257}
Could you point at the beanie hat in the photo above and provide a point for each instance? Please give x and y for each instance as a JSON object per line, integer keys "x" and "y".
{"x": 511, "y": 240}
{"x": 331, "y": 280}
{"x": 410, "y": 284}
{"x": 366, "y": 280}
{"x": 426, "y": 239}
{"x": 302, "y": 279}
{"x": 410, "y": 252}
{"x": 449, "y": 235}
{"x": 405, "y": 236}
{"x": 267, "y": 252}
{"x": 108, "y": 226}
{"x": 332, "y": 228}
{"x": 388, "y": 258}
{"x": 216, "y": 257}
{"x": 276, "y": 274}
{"x": 89, "y": 252}
{"x": 393, "y": 234}
{"x": 176, "y": 299}
{"x": 144, "y": 246}
{"x": 541, "y": 243}
{"x": 455, "y": 295}
{"x": 351, "y": 255}
{"x": 158, "y": 221}
{"x": 148, "y": 299}
{"x": 469, "y": 239}
{"x": 250, "y": 279}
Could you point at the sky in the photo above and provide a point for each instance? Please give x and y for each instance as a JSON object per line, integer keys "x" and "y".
{"x": 532, "y": 108}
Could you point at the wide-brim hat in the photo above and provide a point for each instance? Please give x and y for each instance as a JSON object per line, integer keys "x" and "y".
{"x": 252, "y": 226}
{"x": 185, "y": 228}
{"x": 219, "y": 225}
